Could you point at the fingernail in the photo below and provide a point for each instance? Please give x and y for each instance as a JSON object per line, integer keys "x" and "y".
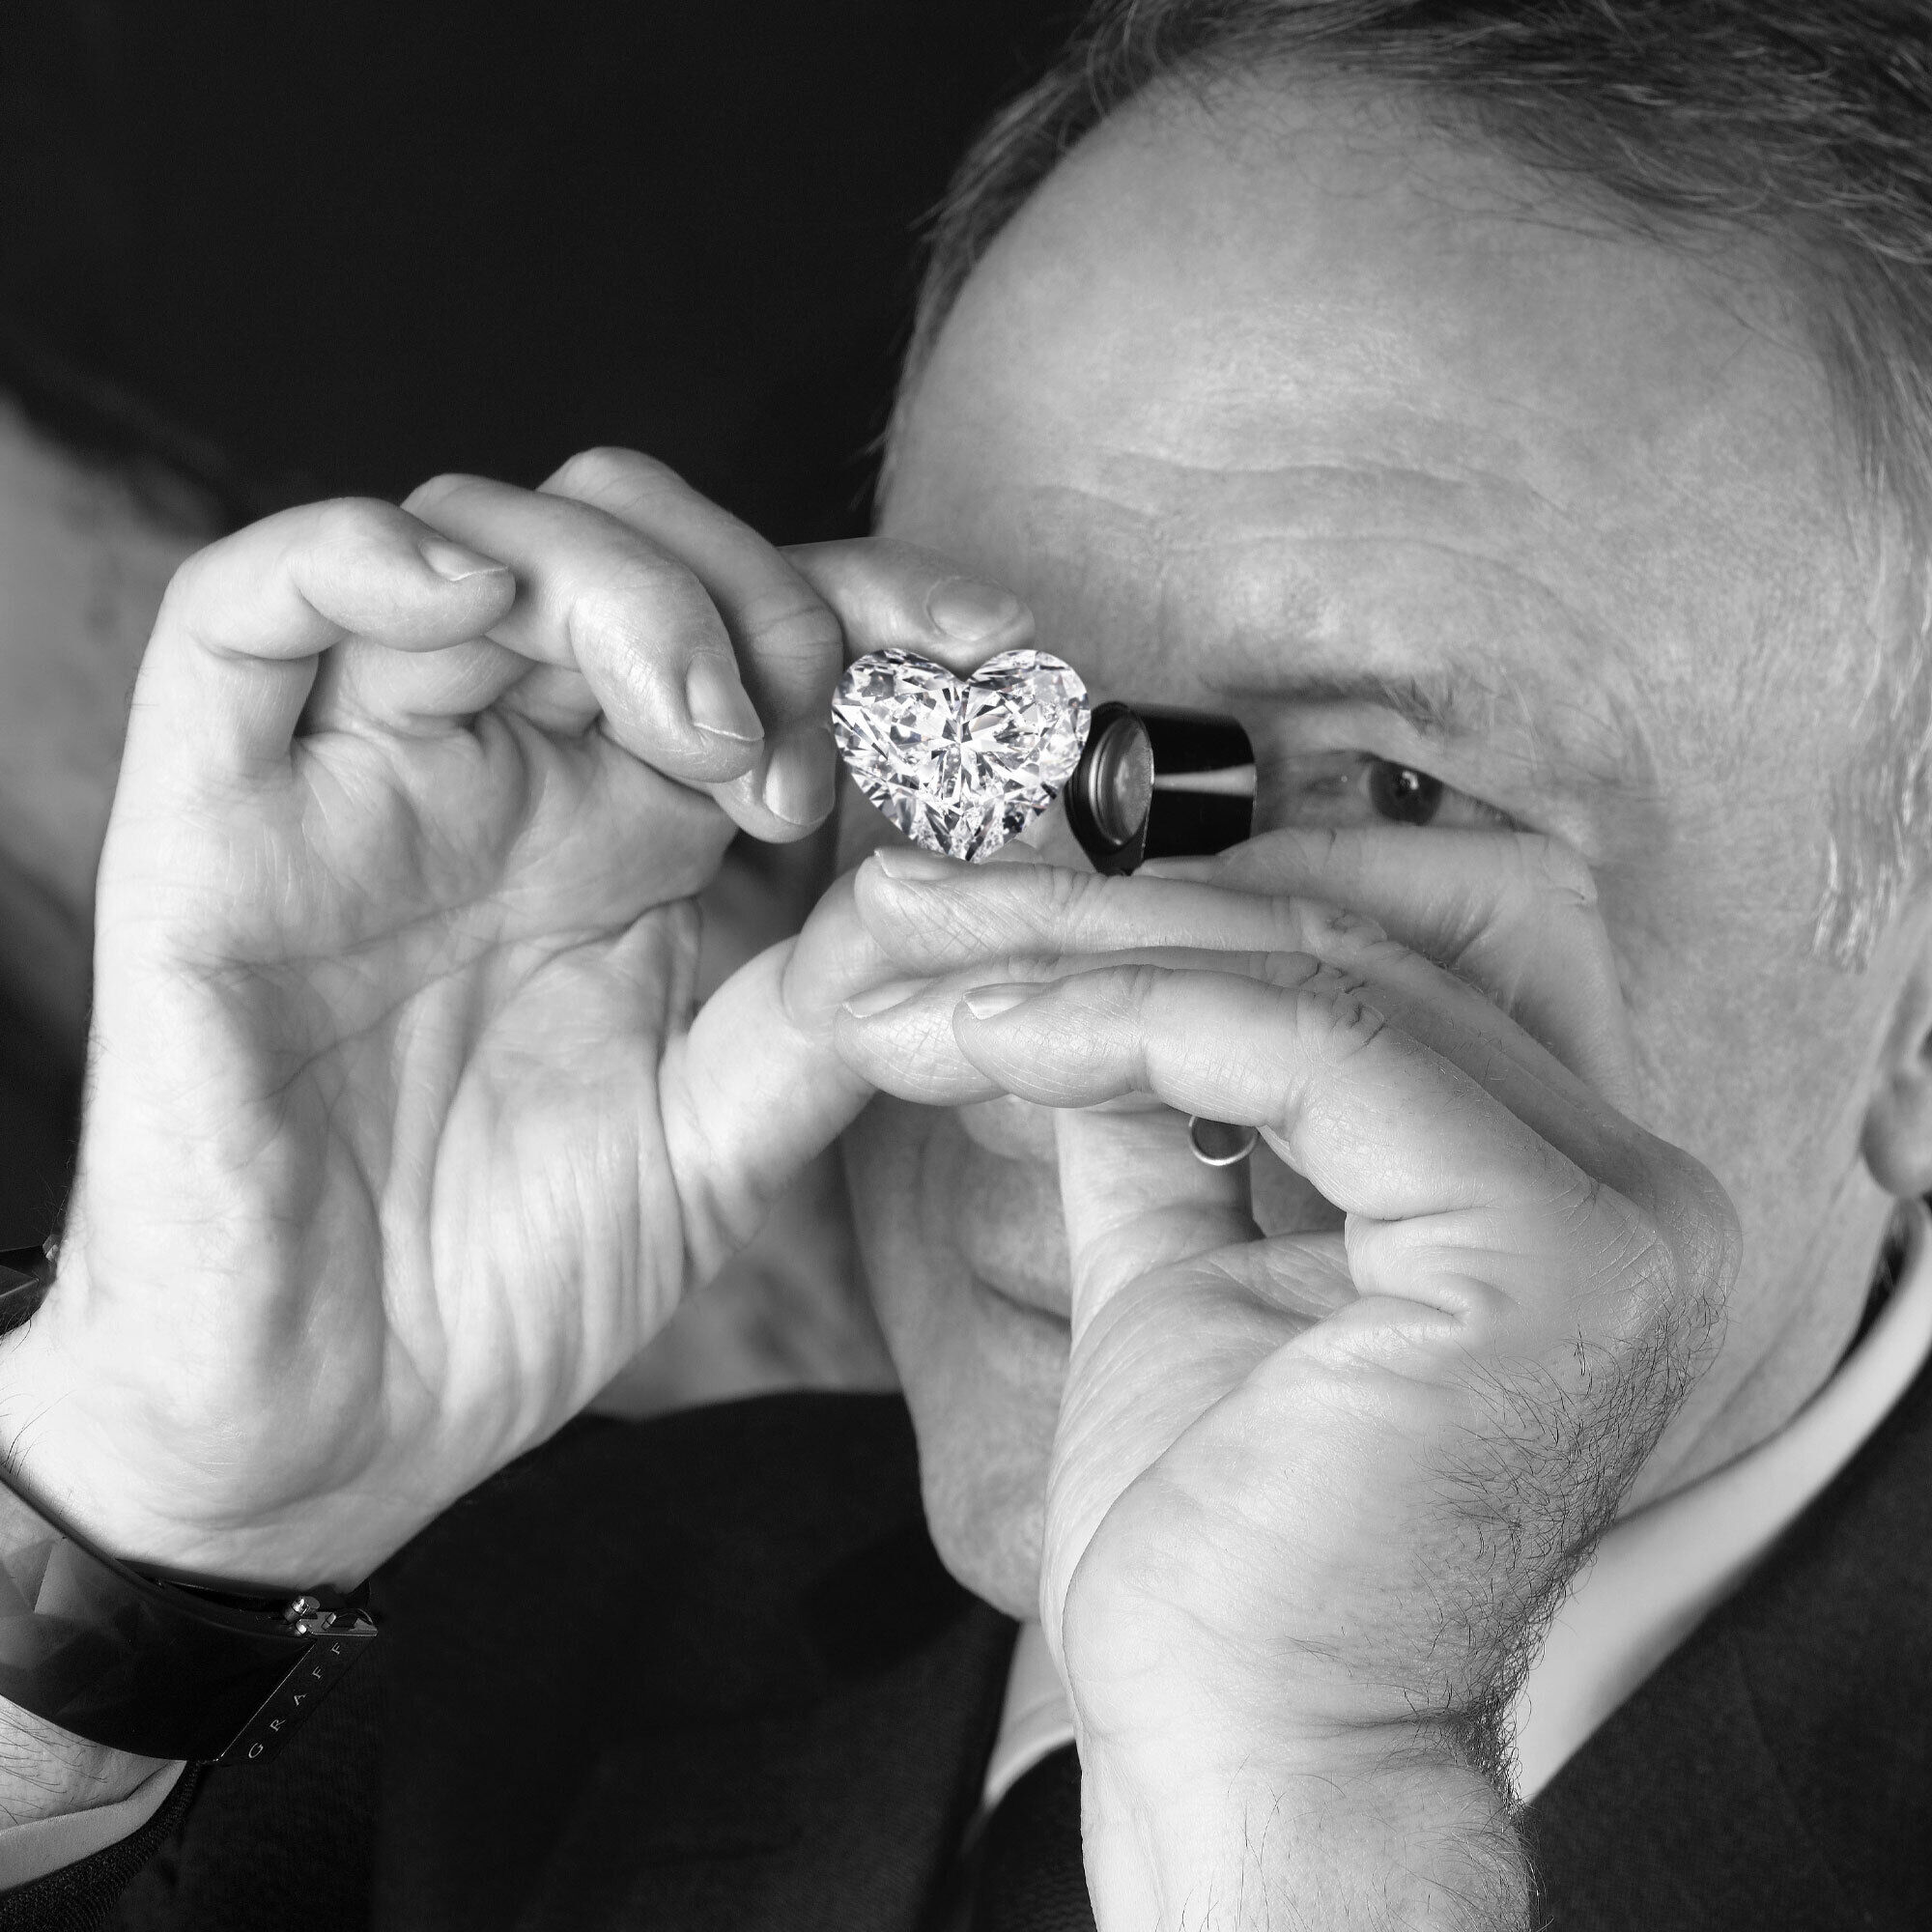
{"x": 968, "y": 611}
{"x": 799, "y": 778}
{"x": 913, "y": 862}
{"x": 717, "y": 701}
{"x": 455, "y": 564}
{"x": 1191, "y": 871}
{"x": 883, "y": 999}
{"x": 988, "y": 1003}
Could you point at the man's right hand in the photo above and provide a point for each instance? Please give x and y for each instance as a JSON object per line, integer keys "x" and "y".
{"x": 398, "y": 1141}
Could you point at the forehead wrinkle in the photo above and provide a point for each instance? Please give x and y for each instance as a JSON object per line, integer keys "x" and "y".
{"x": 1303, "y": 609}
{"x": 1316, "y": 487}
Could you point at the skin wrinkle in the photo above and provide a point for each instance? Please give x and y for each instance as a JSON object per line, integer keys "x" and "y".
{"x": 1016, "y": 459}
{"x": 1293, "y": 615}
{"x": 1660, "y": 477}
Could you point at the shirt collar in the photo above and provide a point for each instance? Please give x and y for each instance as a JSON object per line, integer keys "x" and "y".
{"x": 1656, "y": 1575}
{"x": 1661, "y": 1570}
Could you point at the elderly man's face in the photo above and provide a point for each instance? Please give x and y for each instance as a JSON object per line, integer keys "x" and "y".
{"x": 1257, "y": 407}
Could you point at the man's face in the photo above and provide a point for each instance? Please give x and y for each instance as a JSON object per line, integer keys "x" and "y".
{"x": 1285, "y": 412}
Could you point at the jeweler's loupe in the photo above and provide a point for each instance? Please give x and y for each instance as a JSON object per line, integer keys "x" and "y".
{"x": 1166, "y": 785}
{"x": 1155, "y": 783}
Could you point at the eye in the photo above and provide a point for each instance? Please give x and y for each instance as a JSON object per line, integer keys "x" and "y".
{"x": 1404, "y": 794}
{"x": 1357, "y": 788}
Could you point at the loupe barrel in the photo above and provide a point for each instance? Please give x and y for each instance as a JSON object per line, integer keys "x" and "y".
{"x": 1155, "y": 783}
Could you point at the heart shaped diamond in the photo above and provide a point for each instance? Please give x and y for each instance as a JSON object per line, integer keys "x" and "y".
{"x": 960, "y": 765}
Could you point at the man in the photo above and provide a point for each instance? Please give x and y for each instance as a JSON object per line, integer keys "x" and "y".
{"x": 1543, "y": 500}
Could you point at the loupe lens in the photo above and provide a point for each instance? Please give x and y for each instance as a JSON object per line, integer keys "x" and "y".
{"x": 1117, "y": 774}
{"x": 1155, "y": 783}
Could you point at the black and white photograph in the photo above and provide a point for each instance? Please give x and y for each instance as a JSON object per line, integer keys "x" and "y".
{"x": 968, "y": 968}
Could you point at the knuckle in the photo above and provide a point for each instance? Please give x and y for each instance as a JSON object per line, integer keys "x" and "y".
{"x": 1333, "y": 924}
{"x": 1036, "y": 903}
{"x": 1702, "y": 1225}
{"x": 629, "y": 599}
{"x": 609, "y": 474}
{"x": 1675, "y": 1244}
{"x": 1338, "y": 984}
{"x": 1137, "y": 986}
{"x": 1068, "y": 892}
{"x": 1338, "y": 1021}
{"x": 790, "y": 626}
{"x": 1294, "y": 971}
{"x": 199, "y": 594}
{"x": 440, "y": 489}
{"x": 357, "y": 522}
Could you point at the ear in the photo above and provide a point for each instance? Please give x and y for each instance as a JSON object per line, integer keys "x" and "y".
{"x": 1897, "y": 1139}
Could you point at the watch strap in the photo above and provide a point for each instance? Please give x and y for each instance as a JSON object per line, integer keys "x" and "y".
{"x": 214, "y": 1673}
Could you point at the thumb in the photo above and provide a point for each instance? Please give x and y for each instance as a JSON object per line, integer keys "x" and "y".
{"x": 1136, "y": 1200}
{"x": 889, "y": 594}
{"x": 756, "y": 1090}
{"x": 1133, "y": 1196}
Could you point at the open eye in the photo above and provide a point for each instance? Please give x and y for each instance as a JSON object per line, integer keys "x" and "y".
{"x": 1357, "y": 788}
{"x": 1404, "y": 794}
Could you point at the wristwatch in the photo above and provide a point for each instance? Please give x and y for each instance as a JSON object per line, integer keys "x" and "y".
{"x": 141, "y": 1660}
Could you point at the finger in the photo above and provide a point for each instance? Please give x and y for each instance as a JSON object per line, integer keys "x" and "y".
{"x": 1135, "y": 1200}
{"x": 362, "y": 684}
{"x": 1467, "y": 1230}
{"x": 233, "y": 655}
{"x": 934, "y": 914}
{"x": 795, "y": 617}
{"x": 1515, "y": 915}
{"x": 896, "y": 596}
{"x": 1363, "y": 1109}
{"x": 786, "y": 644}
{"x": 908, "y": 1037}
{"x": 901, "y": 1032}
{"x": 756, "y": 1087}
{"x": 596, "y": 600}
{"x": 1457, "y": 1202}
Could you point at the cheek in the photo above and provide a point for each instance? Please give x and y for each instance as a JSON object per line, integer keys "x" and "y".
{"x": 884, "y": 1153}
{"x": 981, "y": 1378}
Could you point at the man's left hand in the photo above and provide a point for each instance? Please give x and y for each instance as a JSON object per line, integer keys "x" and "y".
{"x": 1315, "y": 1496}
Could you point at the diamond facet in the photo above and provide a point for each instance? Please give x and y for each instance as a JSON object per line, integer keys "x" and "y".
{"x": 960, "y": 765}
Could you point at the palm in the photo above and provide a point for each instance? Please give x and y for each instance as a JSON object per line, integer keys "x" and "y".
{"x": 398, "y": 1142}
{"x": 1159, "y": 1400}
{"x": 431, "y": 1049}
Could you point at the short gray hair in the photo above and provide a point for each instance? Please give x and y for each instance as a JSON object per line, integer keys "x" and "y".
{"x": 1804, "y": 124}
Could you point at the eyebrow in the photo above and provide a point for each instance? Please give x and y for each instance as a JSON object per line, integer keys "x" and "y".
{"x": 1438, "y": 707}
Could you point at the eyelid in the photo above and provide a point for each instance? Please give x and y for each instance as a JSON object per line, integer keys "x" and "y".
{"x": 1351, "y": 763}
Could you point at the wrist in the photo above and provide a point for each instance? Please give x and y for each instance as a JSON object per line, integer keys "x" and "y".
{"x": 46, "y": 1772}
{"x": 103, "y": 1663}
{"x": 73, "y": 1441}
{"x": 1385, "y": 1826}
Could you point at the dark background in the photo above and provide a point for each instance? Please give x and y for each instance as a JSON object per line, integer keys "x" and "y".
{"x": 350, "y": 245}
{"x": 295, "y": 252}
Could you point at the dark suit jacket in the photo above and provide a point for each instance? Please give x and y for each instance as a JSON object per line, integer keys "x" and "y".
{"x": 706, "y": 1673}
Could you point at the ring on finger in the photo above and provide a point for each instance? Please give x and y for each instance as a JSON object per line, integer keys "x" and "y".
{"x": 1220, "y": 1142}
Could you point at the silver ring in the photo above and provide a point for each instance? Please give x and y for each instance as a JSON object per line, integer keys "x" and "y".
{"x": 1220, "y": 1142}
